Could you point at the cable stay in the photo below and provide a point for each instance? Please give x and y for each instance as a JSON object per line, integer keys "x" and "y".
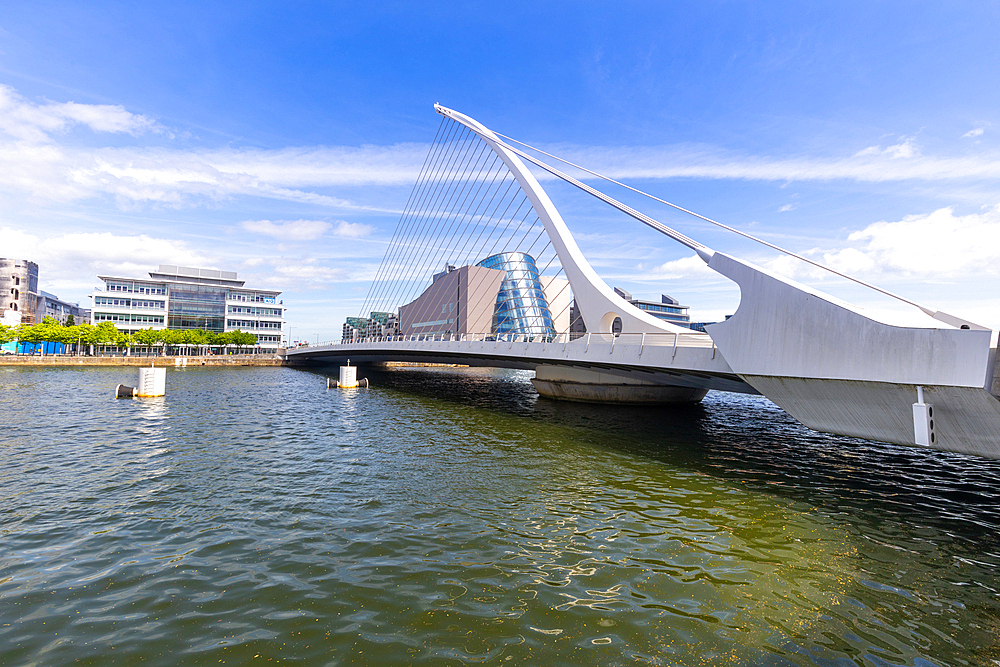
{"x": 694, "y": 245}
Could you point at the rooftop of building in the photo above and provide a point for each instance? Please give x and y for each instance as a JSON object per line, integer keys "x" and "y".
{"x": 665, "y": 299}
{"x": 190, "y": 274}
{"x": 194, "y": 276}
{"x": 53, "y": 297}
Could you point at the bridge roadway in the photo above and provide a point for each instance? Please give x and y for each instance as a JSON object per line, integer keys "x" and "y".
{"x": 667, "y": 359}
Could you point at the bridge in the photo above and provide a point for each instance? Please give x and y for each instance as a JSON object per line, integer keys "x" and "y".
{"x": 483, "y": 270}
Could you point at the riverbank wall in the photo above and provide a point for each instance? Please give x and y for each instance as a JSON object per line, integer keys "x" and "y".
{"x": 162, "y": 362}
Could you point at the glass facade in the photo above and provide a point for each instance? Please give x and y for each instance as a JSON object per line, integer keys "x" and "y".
{"x": 197, "y": 307}
{"x": 521, "y": 307}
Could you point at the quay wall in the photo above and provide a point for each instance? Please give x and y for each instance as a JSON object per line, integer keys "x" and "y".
{"x": 161, "y": 362}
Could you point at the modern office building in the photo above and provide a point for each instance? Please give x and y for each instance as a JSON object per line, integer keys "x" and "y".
{"x": 178, "y": 297}
{"x": 19, "y": 291}
{"x": 502, "y": 294}
{"x": 668, "y": 308}
{"x": 522, "y": 305}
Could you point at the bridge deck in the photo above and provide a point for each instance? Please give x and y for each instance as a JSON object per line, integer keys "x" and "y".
{"x": 685, "y": 360}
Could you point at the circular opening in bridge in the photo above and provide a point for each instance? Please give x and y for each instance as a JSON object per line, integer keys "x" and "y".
{"x": 610, "y": 323}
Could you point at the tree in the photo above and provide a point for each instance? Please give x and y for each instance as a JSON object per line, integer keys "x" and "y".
{"x": 242, "y": 338}
{"x": 194, "y": 337}
{"x": 85, "y": 333}
{"x": 147, "y": 337}
{"x": 27, "y": 333}
{"x": 49, "y": 330}
{"x": 124, "y": 340}
{"x": 104, "y": 333}
{"x": 70, "y": 321}
{"x": 7, "y": 334}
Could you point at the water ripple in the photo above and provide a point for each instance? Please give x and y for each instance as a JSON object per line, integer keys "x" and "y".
{"x": 454, "y": 517}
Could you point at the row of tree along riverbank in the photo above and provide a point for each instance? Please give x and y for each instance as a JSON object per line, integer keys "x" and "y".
{"x": 235, "y": 360}
{"x": 105, "y": 338}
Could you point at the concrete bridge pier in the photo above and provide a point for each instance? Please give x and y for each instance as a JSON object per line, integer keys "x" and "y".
{"x": 587, "y": 386}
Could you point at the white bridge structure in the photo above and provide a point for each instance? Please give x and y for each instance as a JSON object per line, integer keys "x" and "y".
{"x": 832, "y": 366}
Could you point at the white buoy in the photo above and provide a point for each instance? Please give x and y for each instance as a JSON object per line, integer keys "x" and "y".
{"x": 348, "y": 376}
{"x": 152, "y": 382}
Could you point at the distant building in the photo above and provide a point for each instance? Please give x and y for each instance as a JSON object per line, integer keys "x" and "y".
{"x": 381, "y": 324}
{"x": 49, "y": 305}
{"x": 19, "y": 291}
{"x": 577, "y": 326}
{"x": 700, "y": 326}
{"x": 354, "y": 328}
{"x": 668, "y": 308}
{"x": 502, "y": 294}
{"x": 178, "y": 297}
{"x": 377, "y": 325}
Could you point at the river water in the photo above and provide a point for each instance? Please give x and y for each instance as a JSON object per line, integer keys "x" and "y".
{"x": 451, "y": 516}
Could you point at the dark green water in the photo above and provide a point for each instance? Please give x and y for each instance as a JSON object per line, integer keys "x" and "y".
{"x": 254, "y": 517}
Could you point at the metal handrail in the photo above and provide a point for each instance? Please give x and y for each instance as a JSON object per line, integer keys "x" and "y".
{"x": 673, "y": 340}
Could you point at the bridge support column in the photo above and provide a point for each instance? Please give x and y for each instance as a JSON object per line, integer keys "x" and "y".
{"x": 588, "y": 386}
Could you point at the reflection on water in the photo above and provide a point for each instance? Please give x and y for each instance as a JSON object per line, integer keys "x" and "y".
{"x": 454, "y": 517}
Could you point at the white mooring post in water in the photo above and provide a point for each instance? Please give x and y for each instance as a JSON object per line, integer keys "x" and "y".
{"x": 348, "y": 376}
{"x": 152, "y": 381}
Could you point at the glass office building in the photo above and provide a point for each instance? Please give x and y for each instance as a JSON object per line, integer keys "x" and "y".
{"x": 521, "y": 306}
{"x": 668, "y": 309}
{"x": 179, "y": 297}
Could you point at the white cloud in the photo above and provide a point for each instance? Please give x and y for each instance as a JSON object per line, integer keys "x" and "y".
{"x": 39, "y": 164}
{"x": 787, "y": 207}
{"x": 311, "y": 274}
{"x": 35, "y": 123}
{"x": 306, "y": 230}
{"x": 939, "y": 244}
{"x": 352, "y": 230}
{"x": 685, "y": 267}
{"x": 898, "y": 162}
{"x": 905, "y": 149}
{"x": 973, "y": 133}
{"x": 292, "y": 230}
{"x": 136, "y": 176}
{"x": 72, "y": 261}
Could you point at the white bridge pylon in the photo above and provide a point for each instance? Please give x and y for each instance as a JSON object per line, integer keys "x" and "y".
{"x": 598, "y": 303}
{"x": 832, "y": 366}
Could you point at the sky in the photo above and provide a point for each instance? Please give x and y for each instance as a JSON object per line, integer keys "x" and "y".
{"x": 281, "y": 140}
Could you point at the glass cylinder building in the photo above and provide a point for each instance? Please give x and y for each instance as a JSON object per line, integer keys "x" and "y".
{"x": 521, "y": 307}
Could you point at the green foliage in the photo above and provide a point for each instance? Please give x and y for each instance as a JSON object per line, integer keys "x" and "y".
{"x": 147, "y": 337}
{"x": 105, "y": 333}
{"x": 70, "y": 320}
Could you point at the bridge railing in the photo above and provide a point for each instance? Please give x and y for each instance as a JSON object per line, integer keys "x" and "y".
{"x": 586, "y": 340}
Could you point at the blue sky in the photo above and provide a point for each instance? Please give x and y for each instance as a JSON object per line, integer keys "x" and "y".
{"x": 281, "y": 140}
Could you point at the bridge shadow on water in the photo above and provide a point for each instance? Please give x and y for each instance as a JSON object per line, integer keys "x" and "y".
{"x": 750, "y": 440}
